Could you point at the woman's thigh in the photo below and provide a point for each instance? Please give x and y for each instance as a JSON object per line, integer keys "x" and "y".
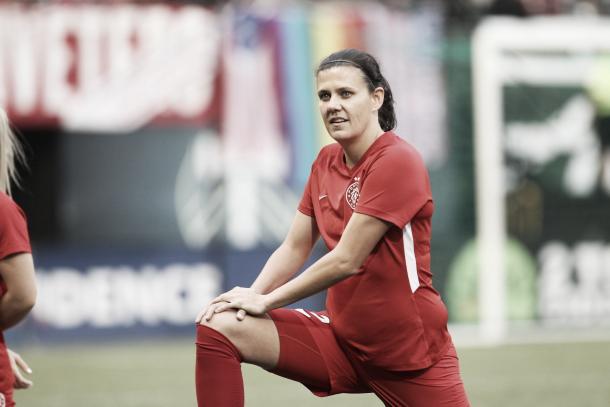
{"x": 297, "y": 344}
{"x": 310, "y": 354}
{"x": 440, "y": 385}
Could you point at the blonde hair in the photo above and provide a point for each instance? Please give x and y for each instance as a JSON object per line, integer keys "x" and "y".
{"x": 11, "y": 152}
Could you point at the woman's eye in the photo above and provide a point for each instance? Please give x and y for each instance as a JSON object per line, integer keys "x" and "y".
{"x": 324, "y": 96}
{"x": 346, "y": 93}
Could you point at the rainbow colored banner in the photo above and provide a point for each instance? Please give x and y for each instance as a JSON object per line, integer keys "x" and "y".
{"x": 289, "y": 43}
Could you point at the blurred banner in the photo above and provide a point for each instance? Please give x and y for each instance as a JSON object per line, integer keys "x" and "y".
{"x": 177, "y": 141}
{"x": 104, "y": 293}
{"x": 102, "y": 68}
{"x": 558, "y": 198}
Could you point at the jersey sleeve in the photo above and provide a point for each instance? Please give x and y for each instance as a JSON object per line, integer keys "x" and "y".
{"x": 13, "y": 229}
{"x": 306, "y": 205}
{"x": 396, "y": 188}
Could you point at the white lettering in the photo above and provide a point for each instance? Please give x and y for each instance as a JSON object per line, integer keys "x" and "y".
{"x": 108, "y": 297}
{"x": 574, "y": 283}
{"x": 302, "y": 311}
{"x": 93, "y": 42}
{"x": 58, "y": 59}
{"x": 121, "y": 39}
{"x": 22, "y": 59}
{"x": 109, "y": 68}
{"x": 193, "y": 91}
{"x": 322, "y": 318}
{"x": 60, "y": 298}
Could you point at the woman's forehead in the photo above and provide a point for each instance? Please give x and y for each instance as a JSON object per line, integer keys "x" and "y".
{"x": 340, "y": 75}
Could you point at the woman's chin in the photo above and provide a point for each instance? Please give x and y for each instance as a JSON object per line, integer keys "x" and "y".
{"x": 340, "y": 134}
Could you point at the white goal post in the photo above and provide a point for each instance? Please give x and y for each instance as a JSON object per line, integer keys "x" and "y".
{"x": 525, "y": 51}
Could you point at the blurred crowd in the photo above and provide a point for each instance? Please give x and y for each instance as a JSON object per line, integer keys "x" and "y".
{"x": 468, "y": 12}
{"x": 458, "y": 12}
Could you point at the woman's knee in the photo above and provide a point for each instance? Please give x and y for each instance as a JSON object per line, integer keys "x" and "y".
{"x": 256, "y": 338}
{"x": 227, "y": 324}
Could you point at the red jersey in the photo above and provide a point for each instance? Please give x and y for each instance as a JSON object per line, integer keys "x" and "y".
{"x": 13, "y": 239}
{"x": 13, "y": 231}
{"x": 388, "y": 314}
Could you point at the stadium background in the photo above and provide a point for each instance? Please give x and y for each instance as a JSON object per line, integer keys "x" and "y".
{"x": 168, "y": 145}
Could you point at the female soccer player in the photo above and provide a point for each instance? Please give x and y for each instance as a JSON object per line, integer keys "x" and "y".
{"x": 17, "y": 284}
{"x": 385, "y": 326}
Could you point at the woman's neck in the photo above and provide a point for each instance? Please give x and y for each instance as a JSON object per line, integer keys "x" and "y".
{"x": 354, "y": 149}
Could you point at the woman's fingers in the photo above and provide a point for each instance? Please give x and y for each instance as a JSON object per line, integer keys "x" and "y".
{"x": 21, "y": 382}
{"x": 200, "y": 315}
{"x": 222, "y": 303}
{"x": 210, "y": 312}
{"x": 21, "y": 363}
{"x": 225, "y": 306}
{"x": 205, "y": 314}
{"x": 17, "y": 366}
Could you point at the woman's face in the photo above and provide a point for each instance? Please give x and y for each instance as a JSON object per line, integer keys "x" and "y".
{"x": 347, "y": 106}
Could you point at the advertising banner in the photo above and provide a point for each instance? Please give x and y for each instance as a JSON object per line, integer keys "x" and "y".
{"x": 108, "y": 68}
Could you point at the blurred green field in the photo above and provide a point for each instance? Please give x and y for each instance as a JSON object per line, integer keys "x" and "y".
{"x": 161, "y": 374}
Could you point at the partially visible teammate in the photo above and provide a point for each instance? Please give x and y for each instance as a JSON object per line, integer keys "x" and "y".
{"x": 385, "y": 326}
{"x": 17, "y": 283}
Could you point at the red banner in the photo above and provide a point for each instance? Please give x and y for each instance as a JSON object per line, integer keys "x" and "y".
{"x": 108, "y": 68}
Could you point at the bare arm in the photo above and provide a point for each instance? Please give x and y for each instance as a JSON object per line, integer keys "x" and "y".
{"x": 290, "y": 256}
{"x": 285, "y": 261}
{"x": 17, "y": 271}
{"x": 361, "y": 235}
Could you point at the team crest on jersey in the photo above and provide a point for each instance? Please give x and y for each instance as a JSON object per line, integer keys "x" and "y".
{"x": 352, "y": 193}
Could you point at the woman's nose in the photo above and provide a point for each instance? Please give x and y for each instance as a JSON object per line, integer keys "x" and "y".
{"x": 333, "y": 103}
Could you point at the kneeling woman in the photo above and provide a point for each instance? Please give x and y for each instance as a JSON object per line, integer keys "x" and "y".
{"x": 384, "y": 329}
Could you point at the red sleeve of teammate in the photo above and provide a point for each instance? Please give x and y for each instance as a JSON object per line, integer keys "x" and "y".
{"x": 13, "y": 228}
{"x": 395, "y": 188}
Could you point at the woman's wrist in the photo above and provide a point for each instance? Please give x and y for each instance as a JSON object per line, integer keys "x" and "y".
{"x": 270, "y": 301}
{"x": 257, "y": 289}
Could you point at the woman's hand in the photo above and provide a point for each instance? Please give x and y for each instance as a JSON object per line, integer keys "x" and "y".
{"x": 18, "y": 366}
{"x": 244, "y": 300}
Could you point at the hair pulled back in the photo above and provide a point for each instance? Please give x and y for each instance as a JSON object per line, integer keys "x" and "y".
{"x": 372, "y": 74}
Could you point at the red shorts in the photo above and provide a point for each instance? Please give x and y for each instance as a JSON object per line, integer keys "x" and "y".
{"x": 310, "y": 354}
{"x": 6, "y": 378}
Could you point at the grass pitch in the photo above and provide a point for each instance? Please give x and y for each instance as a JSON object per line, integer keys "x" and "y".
{"x": 161, "y": 374}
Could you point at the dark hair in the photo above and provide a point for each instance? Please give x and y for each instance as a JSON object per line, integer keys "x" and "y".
{"x": 372, "y": 75}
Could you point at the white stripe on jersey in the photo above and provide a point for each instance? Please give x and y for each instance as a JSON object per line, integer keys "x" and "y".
{"x": 409, "y": 247}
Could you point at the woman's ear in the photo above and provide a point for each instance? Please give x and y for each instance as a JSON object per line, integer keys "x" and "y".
{"x": 377, "y": 97}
